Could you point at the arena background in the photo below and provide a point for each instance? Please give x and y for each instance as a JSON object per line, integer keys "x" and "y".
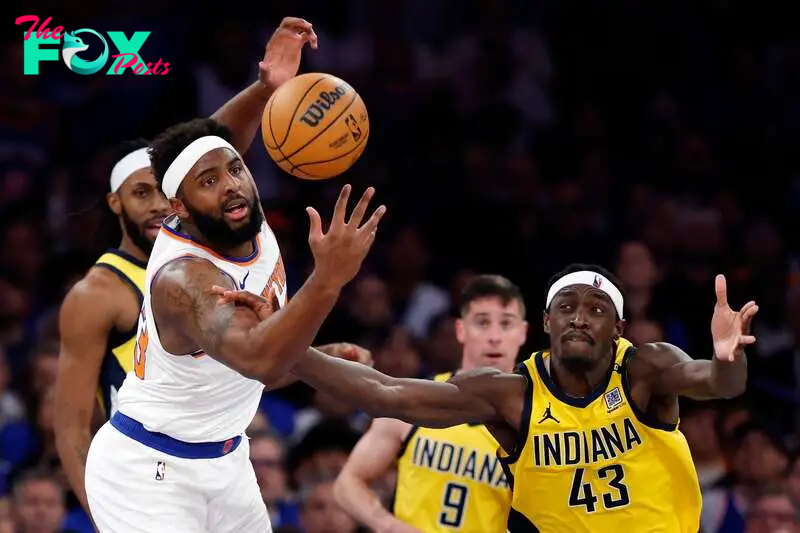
{"x": 508, "y": 136}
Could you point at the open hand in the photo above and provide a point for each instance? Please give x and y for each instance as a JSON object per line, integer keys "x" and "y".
{"x": 283, "y": 51}
{"x": 730, "y": 329}
{"x": 262, "y": 307}
{"x": 338, "y": 254}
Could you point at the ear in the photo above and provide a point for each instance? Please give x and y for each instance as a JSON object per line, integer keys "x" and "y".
{"x": 546, "y": 322}
{"x": 619, "y": 329}
{"x": 114, "y": 203}
{"x": 177, "y": 207}
{"x": 460, "y": 330}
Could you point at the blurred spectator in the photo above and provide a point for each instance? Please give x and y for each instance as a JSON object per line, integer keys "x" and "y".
{"x": 760, "y": 460}
{"x": 319, "y": 512}
{"x": 773, "y": 511}
{"x": 268, "y": 454}
{"x": 39, "y": 503}
{"x": 698, "y": 424}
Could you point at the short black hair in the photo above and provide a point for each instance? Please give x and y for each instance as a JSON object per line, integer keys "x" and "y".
{"x": 36, "y": 474}
{"x": 169, "y": 144}
{"x": 579, "y": 267}
{"x": 491, "y": 285}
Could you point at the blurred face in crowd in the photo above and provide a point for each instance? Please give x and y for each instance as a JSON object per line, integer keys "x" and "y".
{"x": 758, "y": 461}
{"x": 140, "y": 206}
{"x": 219, "y": 197}
{"x": 643, "y": 331}
{"x": 636, "y": 269}
{"x": 320, "y": 463}
{"x": 22, "y": 250}
{"x": 370, "y": 304}
{"x": 398, "y": 357}
{"x": 266, "y": 453}
{"x": 491, "y": 333}
{"x": 40, "y": 506}
{"x": 443, "y": 344}
{"x": 773, "y": 514}
{"x": 700, "y": 431}
{"x": 321, "y": 514}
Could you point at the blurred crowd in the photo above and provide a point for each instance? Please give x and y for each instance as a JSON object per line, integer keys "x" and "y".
{"x": 508, "y": 136}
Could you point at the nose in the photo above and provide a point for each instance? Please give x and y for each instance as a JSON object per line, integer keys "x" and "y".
{"x": 579, "y": 320}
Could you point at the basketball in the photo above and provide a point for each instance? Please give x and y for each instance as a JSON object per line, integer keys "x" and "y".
{"x": 315, "y": 126}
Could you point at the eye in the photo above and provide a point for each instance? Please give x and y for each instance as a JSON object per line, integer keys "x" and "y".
{"x": 236, "y": 169}
{"x": 597, "y": 309}
{"x": 565, "y": 307}
{"x": 209, "y": 181}
{"x": 141, "y": 193}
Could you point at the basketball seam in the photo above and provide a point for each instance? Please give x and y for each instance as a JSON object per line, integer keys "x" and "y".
{"x": 278, "y": 148}
{"x": 294, "y": 113}
{"x": 356, "y": 147}
{"x": 323, "y": 130}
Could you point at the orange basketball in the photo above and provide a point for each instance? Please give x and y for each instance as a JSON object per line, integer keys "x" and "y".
{"x": 315, "y": 126}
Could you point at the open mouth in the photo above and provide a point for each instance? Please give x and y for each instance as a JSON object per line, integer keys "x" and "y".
{"x": 236, "y": 210}
{"x": 153, "y": 226}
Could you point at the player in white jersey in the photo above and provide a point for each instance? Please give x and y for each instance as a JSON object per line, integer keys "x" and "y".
{"x": 173, "y": 457}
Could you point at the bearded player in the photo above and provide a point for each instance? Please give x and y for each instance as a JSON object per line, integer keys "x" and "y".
{"x": 99, "y": 315}
{"x": 590, "y": 425}
{"x": 447, "y": 479}
{"x": 174, "y": 456}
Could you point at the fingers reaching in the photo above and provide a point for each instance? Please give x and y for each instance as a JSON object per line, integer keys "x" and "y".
{"x": 361, "y": 207}
{"x": 315, "y": 228}
{"x": 747, "y": 339}
{"x": 341, "y": 207}
{"x": 721, "y": 288}
{"x": 747, "y": 313}
{"x": 371, "y": 226}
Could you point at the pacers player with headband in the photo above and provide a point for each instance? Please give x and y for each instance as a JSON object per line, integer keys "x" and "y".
{"x": 590, "y": 425}
{"x": 447, "y": 479}
{"x": 99, "y": 315}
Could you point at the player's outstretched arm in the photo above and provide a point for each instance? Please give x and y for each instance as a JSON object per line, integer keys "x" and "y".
{"x": 242, "y": 113}
{"x": 470, "y": 397}
{"x": 673, "y": 371}
{"x": 372, "y": 457}
{"x": 183, "y": 295}
{"x": 86, "y": 318}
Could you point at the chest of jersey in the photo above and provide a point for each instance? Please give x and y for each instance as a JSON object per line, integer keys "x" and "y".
{"x": 593, "y": 465}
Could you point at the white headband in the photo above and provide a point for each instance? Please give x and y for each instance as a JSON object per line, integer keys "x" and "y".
{"x": 593, "y": 279}
{"x": 136, "y": 160}
{"x": 174, "y": 175}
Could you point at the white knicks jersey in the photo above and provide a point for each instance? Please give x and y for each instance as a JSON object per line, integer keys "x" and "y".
{"x": 193, "y": 397}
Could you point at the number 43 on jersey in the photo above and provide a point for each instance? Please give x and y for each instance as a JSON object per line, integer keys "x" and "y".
{"x": 614, "y": 495}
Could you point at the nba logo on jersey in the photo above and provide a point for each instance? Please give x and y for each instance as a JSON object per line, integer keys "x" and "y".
{"x": 161, "y": 468}
{"x": 613, "y": 399}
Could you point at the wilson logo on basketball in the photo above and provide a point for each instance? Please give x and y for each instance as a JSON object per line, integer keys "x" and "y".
{"x": 327, "y": 99}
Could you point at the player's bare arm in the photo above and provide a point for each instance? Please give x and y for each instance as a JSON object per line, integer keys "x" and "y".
{"x": 242, "y": 114}
{"x": 185, "y": 302}
{"x": 90, "y": 311}
{"x": 372, "y": 457}
{"x": 483, "y": 395}
{"x": 670, "y": 371}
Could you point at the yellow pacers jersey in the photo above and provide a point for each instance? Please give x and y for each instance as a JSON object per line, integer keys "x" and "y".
{"x": 598, "y": 464}
{"x": 118, "y": 360}
{"x": 451, "y": 480}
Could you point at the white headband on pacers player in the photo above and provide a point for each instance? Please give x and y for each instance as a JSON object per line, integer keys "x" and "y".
{"x": 593, "y": 279}
{"x": 136, "y": 160}
{"x": 174, "y": 175}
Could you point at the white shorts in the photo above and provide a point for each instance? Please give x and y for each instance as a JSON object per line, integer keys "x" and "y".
{"x": 134, "y": 488}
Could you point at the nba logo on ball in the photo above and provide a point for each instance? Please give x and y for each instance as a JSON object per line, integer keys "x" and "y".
{"x": 315, "y": 126}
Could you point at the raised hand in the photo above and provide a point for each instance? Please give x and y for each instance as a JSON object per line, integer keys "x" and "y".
{"x": 338, "y": 254}
{"x": 282, "y": 54}
{"x": 730, "y": 329}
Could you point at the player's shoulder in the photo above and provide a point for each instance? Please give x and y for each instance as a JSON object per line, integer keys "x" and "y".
{"x": 652, "y": 357}
{"x": 98, "y": 297}
{"x": 187, "y": 271}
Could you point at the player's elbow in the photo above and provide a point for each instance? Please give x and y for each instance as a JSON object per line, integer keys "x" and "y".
{"x": 341, "y": 488}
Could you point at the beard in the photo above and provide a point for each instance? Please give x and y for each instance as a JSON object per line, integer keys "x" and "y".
{"x": 218, "y": 232}
{"x": 136, "y": 233}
